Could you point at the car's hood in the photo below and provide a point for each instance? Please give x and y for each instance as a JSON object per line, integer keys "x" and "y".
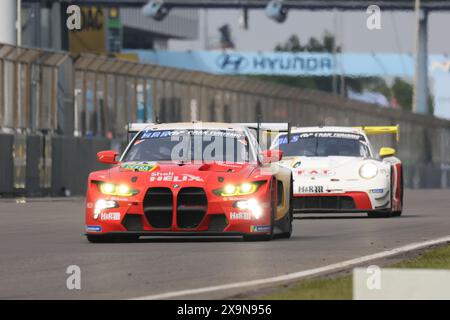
{"x": 180, "y": 172}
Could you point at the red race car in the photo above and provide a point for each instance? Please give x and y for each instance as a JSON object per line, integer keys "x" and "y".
{"x": 189, "y": 179}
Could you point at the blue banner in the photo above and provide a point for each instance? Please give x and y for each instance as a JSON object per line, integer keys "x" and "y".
{"x": 292, "y": 64}
{"x": 310, "y": 64}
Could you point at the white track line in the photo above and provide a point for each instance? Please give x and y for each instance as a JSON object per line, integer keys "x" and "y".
{"x": 300, "y": 274}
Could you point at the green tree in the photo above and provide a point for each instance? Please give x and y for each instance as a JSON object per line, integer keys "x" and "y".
{"x": 401, "y": 91}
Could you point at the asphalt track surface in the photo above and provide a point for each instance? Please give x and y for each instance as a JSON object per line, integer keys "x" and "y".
{"x": 40, "y": 239}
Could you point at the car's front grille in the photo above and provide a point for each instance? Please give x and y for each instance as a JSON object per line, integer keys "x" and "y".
{"x": 192, "y": 205}
{"x": 158, "y": 207}
{"x": 325, "y": 203}
{"x": 132, "y": 222}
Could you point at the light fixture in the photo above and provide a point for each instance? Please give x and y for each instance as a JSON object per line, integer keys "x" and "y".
{"x": 368, "y": 170}
{"x": 103, "y": 204}
{"x": 251, "y": 205}
{"x": 277, "y": 11}
{"x": 155, "y": 9}
{"x": 117, "y": 190}
{"x": 238, "y": 190}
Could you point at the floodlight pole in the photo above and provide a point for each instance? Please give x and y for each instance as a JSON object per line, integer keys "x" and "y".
{"x": 420, "y": 99}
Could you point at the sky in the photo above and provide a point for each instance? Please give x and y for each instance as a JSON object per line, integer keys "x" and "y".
{"x": 396, "y": 33}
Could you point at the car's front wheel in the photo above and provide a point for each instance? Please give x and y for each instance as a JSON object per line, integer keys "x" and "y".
{"x": 290, "y": 215}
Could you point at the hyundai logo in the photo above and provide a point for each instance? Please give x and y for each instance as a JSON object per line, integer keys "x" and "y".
{"x": 232, "y": 62}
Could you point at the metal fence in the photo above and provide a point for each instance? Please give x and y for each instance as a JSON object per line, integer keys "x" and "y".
{"x": 55, "y": 95}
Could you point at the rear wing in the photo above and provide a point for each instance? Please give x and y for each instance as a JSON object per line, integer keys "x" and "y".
{"x": 269, "y": 129}
{"x": 382, "y": 130}
{"x": 267, "y": 126}
{"x": 134, "y": 128}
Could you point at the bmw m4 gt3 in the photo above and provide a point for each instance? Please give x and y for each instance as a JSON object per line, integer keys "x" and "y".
{"x": 189, "y": 179}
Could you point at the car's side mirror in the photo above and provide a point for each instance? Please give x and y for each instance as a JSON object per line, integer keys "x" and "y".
{"x": 270, "y": 156}
{"x": 386, "y": 152}
{"x": 108, "y": 157}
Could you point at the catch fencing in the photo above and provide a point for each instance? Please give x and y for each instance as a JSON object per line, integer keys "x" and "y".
{"x": 57, "y": 110}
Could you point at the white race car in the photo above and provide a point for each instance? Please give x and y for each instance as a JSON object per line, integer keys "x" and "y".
{"x": 335, "y": 170}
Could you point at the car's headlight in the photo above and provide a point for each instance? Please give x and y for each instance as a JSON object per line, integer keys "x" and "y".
{"x": 239, "y": 190}
{"x": 251, "y": 205}
{"x": 368, "y": 170}
{"x": 117, "y": 190}
{"x": 102, "y": 204}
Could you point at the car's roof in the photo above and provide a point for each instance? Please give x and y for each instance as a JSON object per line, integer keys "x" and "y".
{"x": 328, "y": 129}
{"x": 194, "y": 125}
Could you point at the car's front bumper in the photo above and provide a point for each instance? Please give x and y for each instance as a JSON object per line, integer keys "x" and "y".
{"x": 344, "y": 202}
{"x": 171, "y": 234}
{"x": 219, "y": 215}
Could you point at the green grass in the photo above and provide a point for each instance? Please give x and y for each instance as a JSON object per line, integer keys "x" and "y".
{"x": 340, "y": 288}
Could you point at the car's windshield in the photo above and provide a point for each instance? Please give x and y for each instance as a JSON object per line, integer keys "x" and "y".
{"x": 323, "y": 144}
{"x": 189, "y": 145}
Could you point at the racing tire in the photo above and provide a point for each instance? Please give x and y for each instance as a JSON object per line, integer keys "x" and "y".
{"x": 390, "y": 213}
{"x": 266, "y": 237}
{"x": 399, "y": 212}
{"x": 290, "y": 215}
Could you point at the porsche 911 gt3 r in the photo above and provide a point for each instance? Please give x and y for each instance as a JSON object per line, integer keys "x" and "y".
{"x": 336, "y": 170}
{"x": 189, "y": 179}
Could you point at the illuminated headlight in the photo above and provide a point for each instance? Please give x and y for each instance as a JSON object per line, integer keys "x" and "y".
{"x": 123, "y": 189}
{"x": 102, "y": 204}
{"x": 117, "y": 190}
{"x": 246, "y": 188}
{"x": 251, "y": 205}
{"x": 238, "y": 190}
{"x": 107, "y": 188}
{"x": 368, "y": 170}
{"x": 229, "y": 190}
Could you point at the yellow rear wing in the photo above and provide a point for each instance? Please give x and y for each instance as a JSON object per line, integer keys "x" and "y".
{"x": 382, "y": 130}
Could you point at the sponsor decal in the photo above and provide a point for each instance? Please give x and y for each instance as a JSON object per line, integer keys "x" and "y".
{"x": 315, "y": 172}
{"x": 259, "y": 228}
{"x": 140, "y": 166}
{"x": 377, "y": 190}
{"x": 240, "y": 216}
{"x": 94, "y": 228}
{"x": 150, "y": 134}
{"x": 310, "y": 189}
{"x": 112, "y": 216}
{"x": 306, "y": 135}
{"x": 170, "y": 176}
